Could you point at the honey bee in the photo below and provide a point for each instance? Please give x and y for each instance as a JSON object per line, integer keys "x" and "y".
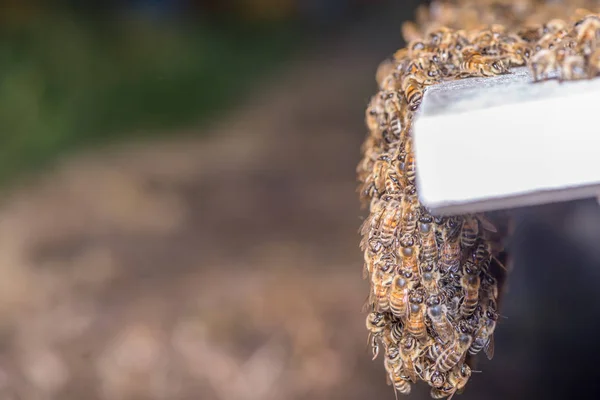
{"x": 555, "y": 25}
{"x": 367, "y": 190}
{"x": 430, "y": 74}
{"x": 381, "y": 289}
{"x": 451, "y": 228}
{"x": 376, "y": 323}
{"x": 406, "y": 118}
{"x": 413, "y": 91}
{"x": 517, "y": 54}
{"x": 452, "y": 294}
{"x": 392, "y": 359}
{"x": 470, "y": 232}
{"x": 443, "y": 40}
{"x": 543, "y": 63}
{"x": 373, "y": 246}
{"x": 485, "y": 335}
{"x": 478, "y": 344}
{"x": 422, "y": 14}
{"x": 531, "y": 33}
{"x": 377, "y": 207}
{"x": 449, "y": 256}
{"x": 481, "y": 253}
{"x": 377, "y": 177}
{"x": 392, "y": 183}
{"x": 429, "y": 277}
{"x": 410, "y": 215}
{"x": 409, "y": 352}
{"x": 410, "y": 167}
{"x": 416, "y": 49}
{"x": 437, "y": 35}
{"x": 373, "y": 112}
{"x": 410, "y": 194}
{"x": 409, "y": 254}
{"x": 384, "y": 77}
{"x": 396, "y": 126}
{"x": 454, "y": 353}
{"x": 434, "y": 377}
{"x": 489, "y": 286}
{"x": 434, "y": 350}
{"x": 579, "y": 14}
{"x": 439, "y": 393}
{"x": 392, "y": 101}
{"x": 425, "y": 223}
{"x": 401, "y": 385}
{"x": 572, "y": 68}
{"x": 475, "y": 64}
{"x": 399, "y": 160}
{"x": 594, "y": 64}
{"x": 386, "y": 264}
{"x": 393, "y": 365}
{"x": 400, "y": 55}
{"x": 549, "y": 41}
{"x": 428, "y": 244}
{"x": 401, "y": 287}
{"x": 470, "y": 283}
{"x": 484, "y": 38}
{"x": 588, "y": 33}
{"x": 395, "y": 334}
{"x": 388, "y": 225}
{"x": 440, "y": 322}
{"x": 522, "y": 53}
{"x": 457, "y": 380}
{"x": 416, "y": 316}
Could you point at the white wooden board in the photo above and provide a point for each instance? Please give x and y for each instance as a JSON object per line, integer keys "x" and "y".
{"x": 485, "y": 144}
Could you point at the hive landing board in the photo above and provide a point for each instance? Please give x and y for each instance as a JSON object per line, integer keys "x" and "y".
{"x": 484, "y": 144}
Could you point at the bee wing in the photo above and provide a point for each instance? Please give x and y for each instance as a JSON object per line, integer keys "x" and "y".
{"x": 471, "y": 361}
{"x": 368, "y": 305}
{"x": 489, "y": 348}
{"x": 364, "y": 230}
{"x": 410, "y": 31}
{"x": 410, "y": 372}
{"x": 452, "y": 393}
{"x": 486, "y": 223}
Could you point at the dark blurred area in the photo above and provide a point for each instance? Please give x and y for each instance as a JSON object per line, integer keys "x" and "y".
{"x": 82, "y": 72}
{"x": 179, "y": 217}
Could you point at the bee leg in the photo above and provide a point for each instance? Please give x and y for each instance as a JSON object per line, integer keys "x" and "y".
{"x": 500, "y": 264}
{"x": 395, "y": 391}
{"x": 374, "y": 347}
{"x": 534, "y": 73}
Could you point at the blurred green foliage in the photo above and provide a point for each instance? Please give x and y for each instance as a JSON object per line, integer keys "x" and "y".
{"x": 67, "y": 81}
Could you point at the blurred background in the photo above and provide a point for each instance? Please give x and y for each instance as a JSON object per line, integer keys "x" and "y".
{"x": 179, "y": 220}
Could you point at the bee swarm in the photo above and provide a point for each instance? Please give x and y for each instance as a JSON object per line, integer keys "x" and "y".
{"x": 435, "y": 281}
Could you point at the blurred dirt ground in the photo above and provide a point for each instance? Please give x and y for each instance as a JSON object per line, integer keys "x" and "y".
{"x": 217, "y": 268}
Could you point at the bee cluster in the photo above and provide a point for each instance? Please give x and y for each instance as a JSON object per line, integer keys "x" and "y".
{"x": 435, "y": 281}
